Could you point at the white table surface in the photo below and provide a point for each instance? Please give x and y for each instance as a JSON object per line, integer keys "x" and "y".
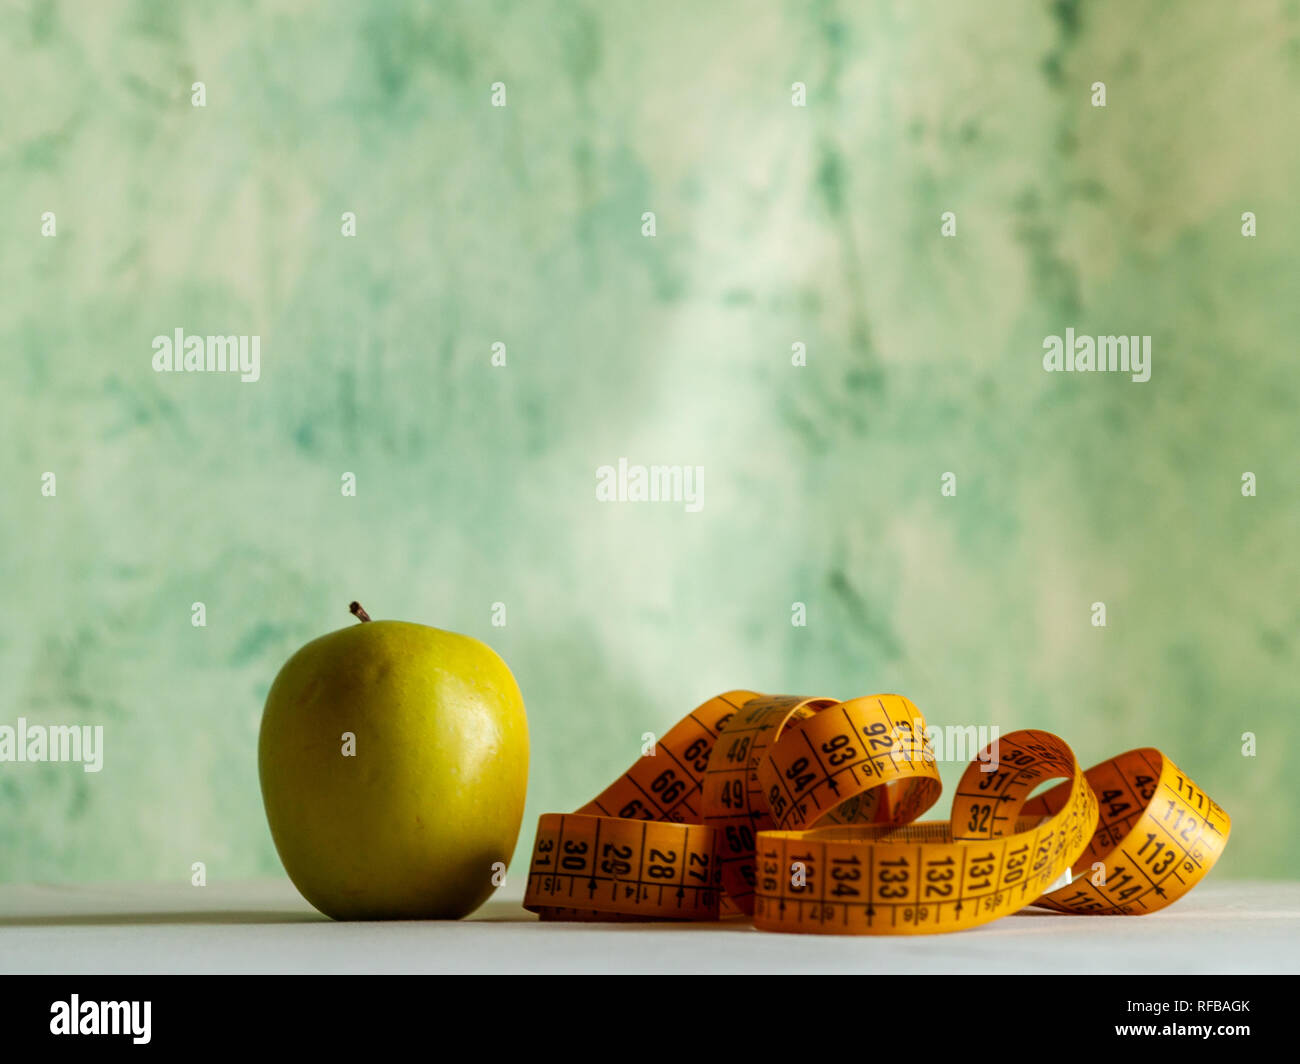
{"x": 266, "y": 927}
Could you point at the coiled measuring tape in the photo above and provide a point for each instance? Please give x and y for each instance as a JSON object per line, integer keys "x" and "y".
{"x": 800, "y": 813}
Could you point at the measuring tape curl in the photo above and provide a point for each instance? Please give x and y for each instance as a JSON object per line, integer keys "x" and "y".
{"x": 799, "y": 812}
{"x": 784, "y": 761}
{"x": 1157, "y": 836}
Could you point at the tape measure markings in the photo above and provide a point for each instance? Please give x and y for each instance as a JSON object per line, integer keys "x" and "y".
{"x": 737, "y": 803}
{"x": 917, "y": 886}
{"x": 676, "y": 858}
{"x": 719, "y": 832}
{"x": 1174, "y": 866}
{"x": 863, "y": 728}
{"x": 642, "y": 776}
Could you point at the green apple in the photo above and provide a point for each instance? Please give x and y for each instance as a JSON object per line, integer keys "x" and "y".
{"x": 394, "y": 759}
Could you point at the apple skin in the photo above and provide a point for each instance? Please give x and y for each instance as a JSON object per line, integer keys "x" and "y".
{"x": 411, "y": 826}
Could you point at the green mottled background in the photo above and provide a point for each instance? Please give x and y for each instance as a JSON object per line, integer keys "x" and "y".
{"x": 775, "y": 224}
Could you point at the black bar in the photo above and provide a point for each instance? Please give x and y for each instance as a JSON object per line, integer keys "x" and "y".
{"x": 1052, "y": 1014}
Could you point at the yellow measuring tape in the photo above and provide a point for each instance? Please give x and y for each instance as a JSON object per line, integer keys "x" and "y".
{"x": 800, "y": 813}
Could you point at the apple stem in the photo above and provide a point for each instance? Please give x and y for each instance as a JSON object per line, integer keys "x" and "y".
{"x": 358, "y": 612}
